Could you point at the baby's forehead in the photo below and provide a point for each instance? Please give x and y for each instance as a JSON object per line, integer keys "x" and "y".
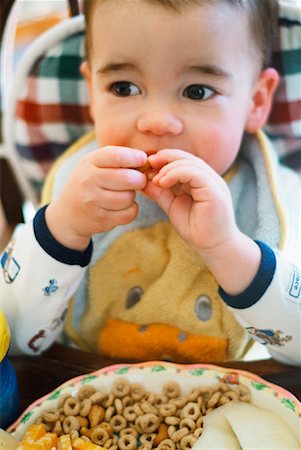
{"x": 198, "y": 24}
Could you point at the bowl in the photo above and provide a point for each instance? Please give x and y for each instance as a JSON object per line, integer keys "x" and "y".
{"x": 154, "y": 374}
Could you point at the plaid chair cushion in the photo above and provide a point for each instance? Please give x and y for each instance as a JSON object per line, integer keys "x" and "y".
{"x": 284, "y": 125}
{"x": 51, "y": 108}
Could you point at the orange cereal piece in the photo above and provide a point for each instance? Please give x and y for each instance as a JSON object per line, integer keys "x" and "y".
{"x": 44, "y": 443}
{"x": 81, "y": 444}
{"x": 34, "y": 432}
{"x": 47, "y": 442}
{"x": 65, "y": 442}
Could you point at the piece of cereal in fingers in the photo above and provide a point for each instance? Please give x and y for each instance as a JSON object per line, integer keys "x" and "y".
{"x": 145, "y": 168}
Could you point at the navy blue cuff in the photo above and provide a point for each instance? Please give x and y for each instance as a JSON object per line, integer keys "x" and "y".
{"x": 56, "y": 249}
{"x": 260, "y": 283}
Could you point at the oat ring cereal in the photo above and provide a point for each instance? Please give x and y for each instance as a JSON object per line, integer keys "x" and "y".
{"x": 168, "y": 410}
{"x": 86, "y": 406}
{"x": 171, "y": 389}
{"x": 243, "y": 393}
{"x": 137, "y": 391}
{"x": 121, "y": 387}
{"x": 214, "y": 399}
{"x": 130, "y": 413}
{"x": 228, "y": 397}
{"x": 197, "y": 432}
{"x": 127, "y": 401}
{"x": 189, "y": 423}
{"x": 71, "y": 407}
{"x": 118, "y": 423}
{"x": 108, "y": 427}
{"x": 167, "y": 444}
{"x": 109, "y": 413}
{"x": 172, "y": 420}
{"x": 177, "y": 435}
{"x": 70, "y": 423}
{"x": 191, "y": 411}
{"x": 194, "y": 394}
{"x": 50, "y": 416}
{"x": 85, "y": 392}
{"x": 97, "y": 397}
{"x": 130, "y": 430}
{"x": 187, "y": 442}
{"x": 99, "y": 436}
{"x": 147, "y": 423}
{"x": 127, "y": 442}
{"x": 159, "y": 401}
{"x": 147, "y": 438}
{"x": 146, "y": 446}
{"x": 118, "y": 405}
{"x": 148, "y": 408}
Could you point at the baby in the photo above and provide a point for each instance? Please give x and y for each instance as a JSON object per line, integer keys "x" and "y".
{"x": 195, "y": 257}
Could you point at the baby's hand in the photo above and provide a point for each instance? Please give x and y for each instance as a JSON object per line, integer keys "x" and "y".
{"x": 196, "y": 199}
{"x": 98, "y": 196}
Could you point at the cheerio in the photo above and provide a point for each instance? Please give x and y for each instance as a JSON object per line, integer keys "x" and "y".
{"x": 9, "y": 395}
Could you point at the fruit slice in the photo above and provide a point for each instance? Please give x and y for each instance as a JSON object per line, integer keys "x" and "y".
{"x": 259, "y": 428}
{"x": 217, "y": 433}
{"x": 7, "y": 441}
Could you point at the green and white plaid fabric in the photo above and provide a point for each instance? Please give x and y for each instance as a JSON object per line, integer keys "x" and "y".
{"x": 51, "y": 105}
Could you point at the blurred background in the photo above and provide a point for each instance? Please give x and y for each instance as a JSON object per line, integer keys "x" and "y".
{"x": 21, "y": 21}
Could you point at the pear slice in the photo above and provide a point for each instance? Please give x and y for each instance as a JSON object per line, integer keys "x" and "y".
{"x": 7, "y": 442}
{"x": 217, "y": 433}
{"x": 245, "y": 426}
{"x": 258, "y": 429}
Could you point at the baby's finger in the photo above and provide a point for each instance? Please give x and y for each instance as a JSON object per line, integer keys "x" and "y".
{"x": 200, "y": 170}
{"x": 114, "y": 218}
{"x": 120, "y": 179}
{"x": 116, "y": 200}
{"x": 166, "y": 156}
{"x": 192, "y": 181}
{"x": 113, "y": 156}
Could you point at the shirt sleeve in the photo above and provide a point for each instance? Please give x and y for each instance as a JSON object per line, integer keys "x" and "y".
{"x": 269, "y": 308}
{"x": 39, "y": 276}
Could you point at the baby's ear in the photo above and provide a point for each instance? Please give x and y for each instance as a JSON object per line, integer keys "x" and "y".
{"x": 262, "y": 98}
{"x": 86, "y": 73}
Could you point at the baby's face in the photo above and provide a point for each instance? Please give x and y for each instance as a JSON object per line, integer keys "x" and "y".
{"x": 161, "y": 79}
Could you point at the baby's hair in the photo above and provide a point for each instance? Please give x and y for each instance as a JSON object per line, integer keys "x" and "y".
{"x": 261, "y": 14}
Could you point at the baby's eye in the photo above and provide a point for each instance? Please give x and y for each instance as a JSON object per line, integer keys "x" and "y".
{"x": 198, "y": 92}
{"x": 124, "y": 89}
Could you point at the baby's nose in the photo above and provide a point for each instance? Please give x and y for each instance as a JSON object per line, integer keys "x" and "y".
{"x": 160, "y": 123}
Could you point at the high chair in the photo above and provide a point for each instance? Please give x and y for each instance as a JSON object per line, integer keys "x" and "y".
{"x": 47, "y": 107}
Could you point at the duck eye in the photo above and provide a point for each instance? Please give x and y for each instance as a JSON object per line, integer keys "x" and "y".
{"x": 133, "y": 296}
{"x": 203, "y": 308}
